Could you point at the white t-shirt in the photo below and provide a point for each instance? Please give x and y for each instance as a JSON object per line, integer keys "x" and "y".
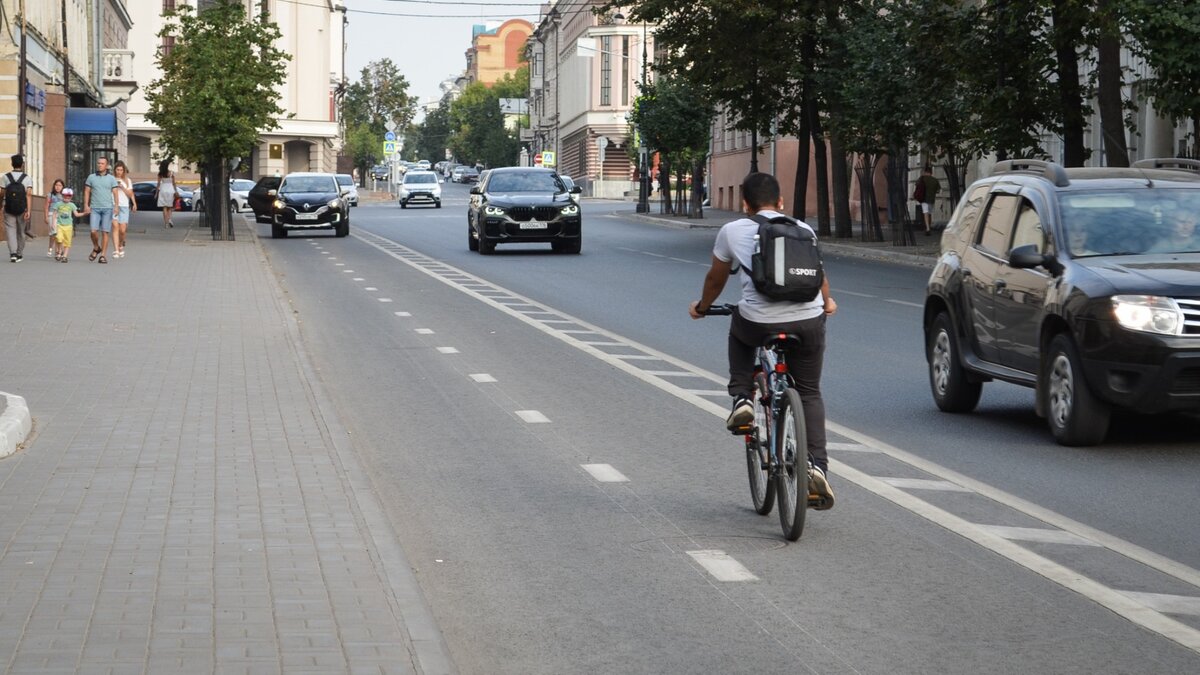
{"x": 735, "y": 242}
{"x": 122, "y": 198}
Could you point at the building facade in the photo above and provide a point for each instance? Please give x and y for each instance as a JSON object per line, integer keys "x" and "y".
{"x": 308, "y": 137}
{"x": 496, "y": 52}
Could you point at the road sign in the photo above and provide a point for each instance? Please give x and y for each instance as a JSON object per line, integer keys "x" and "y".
{"x": 548, "y": 158}
{"x": 389, "y": 136}
{"x": 537, "y": 159}
{"x": 389, "y": 147}
{"x": 389, "y": 125}
{"x": 602, "y": 142}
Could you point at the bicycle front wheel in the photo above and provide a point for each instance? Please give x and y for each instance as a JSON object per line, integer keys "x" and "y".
{"x": 791, "y": 474}
{"x": 762, "y": 488}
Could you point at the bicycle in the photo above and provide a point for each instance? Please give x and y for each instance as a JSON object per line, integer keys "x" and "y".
{"x": 777, "y": 437}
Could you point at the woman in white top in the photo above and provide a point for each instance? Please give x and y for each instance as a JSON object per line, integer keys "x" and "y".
{"x": 166, "y": 191}
{"x": 124, "y": 202}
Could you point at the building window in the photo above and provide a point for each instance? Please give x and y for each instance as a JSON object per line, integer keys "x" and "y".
{"x": 624, "y": 70}
{"x": 168, "y": 5}
{"x": 606, "y": 70}
{"x": 168, "y": 44}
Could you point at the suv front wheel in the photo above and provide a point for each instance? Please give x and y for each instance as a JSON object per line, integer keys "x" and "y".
{"x": 1076, "y": 416}
{"x": 952, "y": 390}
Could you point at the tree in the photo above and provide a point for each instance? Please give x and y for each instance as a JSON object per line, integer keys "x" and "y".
{"x": 674, "y": 121}
{"x": 362, "y": 145}
{"x": 217, "y": 92}
{"x": 378, "y": 97}
{"x": 433, "y": 134}
{"x": 479, "y": 132}
{"x": 1165, "y": 34}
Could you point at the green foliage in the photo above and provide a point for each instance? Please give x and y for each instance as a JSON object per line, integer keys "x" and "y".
{"x": 431, "y": 137}
{"x": 379, "y": 96}
{"x": 477, "y": 131}
{"x": 672, "y": 118}
{"x": 1166, "y": 34}
{"x": 217, "y": 92}
{"x": 364, "y": 146}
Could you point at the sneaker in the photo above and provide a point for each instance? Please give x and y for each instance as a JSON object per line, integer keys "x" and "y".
{"x": 741, "y": 415}
{"x": 19, "y": 258}
{"x": 13, "y": 257}
{"x": 820, "y": 495}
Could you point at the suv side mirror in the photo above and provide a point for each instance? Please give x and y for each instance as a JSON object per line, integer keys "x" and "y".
{"x": 475, "y": 190}
{"x": 1028, "y": 257}
{"x": 272, "y": 193}
{"x": 576, "y": 190}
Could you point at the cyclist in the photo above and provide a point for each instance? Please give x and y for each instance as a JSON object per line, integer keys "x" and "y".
{"x": 758, "y": 317}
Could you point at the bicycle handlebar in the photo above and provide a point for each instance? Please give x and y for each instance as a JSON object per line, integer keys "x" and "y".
{"x": 719, "y": 310}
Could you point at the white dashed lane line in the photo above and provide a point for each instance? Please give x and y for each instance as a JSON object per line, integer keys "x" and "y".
{"x": 605, "y": 473}
{"x": 424, "y": 331}
{"x": 403, "y": 314}
{"x": 532, "y": 417}
{"x": 447, "y": 350}
{"x": 482, "y": 377}
{"x": 721, "y": 566}
{"x": 385, "y": 299}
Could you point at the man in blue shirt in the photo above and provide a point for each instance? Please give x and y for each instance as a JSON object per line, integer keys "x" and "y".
{"x": 98, "y": 200}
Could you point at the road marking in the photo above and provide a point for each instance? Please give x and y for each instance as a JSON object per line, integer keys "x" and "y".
{"x": 385, "y": 299}
{"x": 1168, "y": 604}
{"x": 905, "y": 303}
{"x": 684, "y": 260}
{"x": 332, "y": 257}
{"x": 533, "y": 417}
{"x": 482, "y": 377}
{"x": 721, "y": 566}
{"x": 358, "y": 279}
{"x": 604, "y": 343}
{"x": 447, "y": 350}
{"x": 403, "y": 313}
{"x": 854, "y": 293}
{"x": 370, "y": 288}
{"x": 341, "y": 265}
{"x": 1038, "y": 534}
{"x": 347, "y": 271}
{"x": 669, "y": 373}
{"x": 850, "y": 447}
{"x": 923, "y": 484}
{"x": 605, "y": 473}
{"x": 424, "y": 331}
{"x": 707, "y": 392}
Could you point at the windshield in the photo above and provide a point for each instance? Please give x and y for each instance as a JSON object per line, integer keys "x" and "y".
{"x": 241, "y": 185}
{"x": 532, "y": 181}
{"x": 1131, "y": 222}
{"x": 345, "y": 180}
{"x": 420, "y": 178}
{"x": 295, "y": 184}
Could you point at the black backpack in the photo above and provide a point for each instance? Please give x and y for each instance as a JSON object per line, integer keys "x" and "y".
{"x": 786, "y": 264}
{"x": 16, "y": 202}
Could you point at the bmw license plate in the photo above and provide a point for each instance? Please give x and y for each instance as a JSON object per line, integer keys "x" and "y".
{"x": 306, "y": 216}
{"x": 533, "y": 225}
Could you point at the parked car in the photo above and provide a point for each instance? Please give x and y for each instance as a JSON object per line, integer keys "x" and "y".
{"x": 420, "y": 186}
{"x": 464, "y": 174}
{"x": 523, "y": 204}
{"x": 145, "y": 195}
{"x": 570, "y": 183}
{"x": 346, "y": 183}
{"x": 1083, "y": 284}
{"x": 262, "y": 197}
{"x": 306, "y": 201}
{"x": 239, "y": 189}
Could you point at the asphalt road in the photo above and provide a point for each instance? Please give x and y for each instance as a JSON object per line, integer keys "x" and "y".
{"x": 478, "y": 388}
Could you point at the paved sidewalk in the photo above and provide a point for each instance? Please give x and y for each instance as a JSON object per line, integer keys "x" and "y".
{"x": 924, "y": 253}
{"x": 188, "y": 501}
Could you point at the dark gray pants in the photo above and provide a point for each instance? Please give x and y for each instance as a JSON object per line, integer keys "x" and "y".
{"x": 804, "y": 362}
{"x": 14, "y": 233}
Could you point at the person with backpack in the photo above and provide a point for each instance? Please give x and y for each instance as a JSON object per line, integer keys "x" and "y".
{"x": 17, "y": 193}
{"x": 784, "y": 290}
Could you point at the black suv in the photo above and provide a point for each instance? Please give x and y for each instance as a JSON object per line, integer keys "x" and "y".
{"x": 1081, "y": 283}
{"x": 306, "y": 201}
{"x": 523, "y": 204}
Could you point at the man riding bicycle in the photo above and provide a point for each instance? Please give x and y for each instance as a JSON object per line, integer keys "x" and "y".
{"x": 758, "y": 318}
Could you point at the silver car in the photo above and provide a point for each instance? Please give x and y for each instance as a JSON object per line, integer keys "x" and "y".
{"x": 349, "y": 189}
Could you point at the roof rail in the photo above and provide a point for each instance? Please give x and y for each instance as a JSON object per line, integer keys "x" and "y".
{"x": 1048, "y": 170}
{"x": 1176, "y": 163}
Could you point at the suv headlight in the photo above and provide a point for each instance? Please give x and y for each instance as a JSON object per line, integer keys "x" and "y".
{"x": 493, "y": 210}
{"x": 279, "y": 204}
{"x": 570, "y": 210}
{"x": 335, "y": 203}
{"x": 1148, "y": 313}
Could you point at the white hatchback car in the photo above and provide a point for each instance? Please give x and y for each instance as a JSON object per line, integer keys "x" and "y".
{"x": 420, "y": 186}
{"x": 346, "y": 183}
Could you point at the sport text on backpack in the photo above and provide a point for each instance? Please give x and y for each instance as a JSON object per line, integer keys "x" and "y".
{"x": 786, "y": 264}
{"x": 16, "y": 202}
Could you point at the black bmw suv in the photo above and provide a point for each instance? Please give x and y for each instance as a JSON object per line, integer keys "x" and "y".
{"x": 1083, "y": 284}
{"x": 523, "y": 204}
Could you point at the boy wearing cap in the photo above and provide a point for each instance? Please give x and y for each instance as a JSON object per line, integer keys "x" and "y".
{"x": 65, "y": 215}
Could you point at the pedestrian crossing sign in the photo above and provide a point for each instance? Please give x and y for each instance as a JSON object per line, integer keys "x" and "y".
{"x": 389, "y": 147}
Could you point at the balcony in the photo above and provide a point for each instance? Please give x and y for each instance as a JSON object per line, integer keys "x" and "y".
{"x": 119, "y": 84}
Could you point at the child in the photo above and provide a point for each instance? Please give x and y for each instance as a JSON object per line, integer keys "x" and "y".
{"x": 65, "y": 215}
{"x": 52, "y": 247}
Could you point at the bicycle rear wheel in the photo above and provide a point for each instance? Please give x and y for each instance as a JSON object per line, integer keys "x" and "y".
{"x": 762, "y": 488}
{"x": 791, "y": 475}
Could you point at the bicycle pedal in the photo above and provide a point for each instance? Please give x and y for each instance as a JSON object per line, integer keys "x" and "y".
{"x": 817, "y": 502}
{"x": 742, "y": 431}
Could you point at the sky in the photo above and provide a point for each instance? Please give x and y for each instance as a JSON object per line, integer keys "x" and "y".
{"x": 427, "y": 50}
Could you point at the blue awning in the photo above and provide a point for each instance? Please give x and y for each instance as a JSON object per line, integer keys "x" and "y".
{"x": 102, "y": 121}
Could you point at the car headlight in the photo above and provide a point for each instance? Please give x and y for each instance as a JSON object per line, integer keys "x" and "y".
{"x": 335, "y": 203}
{"x": 1148, "y": 313}
{"x": 493, "y": 210}
{"x": 279, "y": 204}
{"x": 570, "y": 210}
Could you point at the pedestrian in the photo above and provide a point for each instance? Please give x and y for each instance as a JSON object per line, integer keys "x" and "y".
{"x": 125, "y": 202}
{"x": 98, "y": 206}
{"x": 65, "y": 214}
{"x": 165, "y": 189}
{"x": 925, "y": 193}
{"x": 52, "y": 200}
{"x": 759, "y": 317}
{"x": 17, "y": 186}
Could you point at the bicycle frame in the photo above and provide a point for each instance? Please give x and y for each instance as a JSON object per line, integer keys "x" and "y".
{"x": 771, "y": 369}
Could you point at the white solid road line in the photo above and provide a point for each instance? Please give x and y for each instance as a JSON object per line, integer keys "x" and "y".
{"x": 1168, "y": 604}
{"x": 721, "y": 566}
{"x": 923, "y": 484}
{"x": 1119, "y": 603}
{"x": 605, "y": 473}
{"x": 1038, "y": 534}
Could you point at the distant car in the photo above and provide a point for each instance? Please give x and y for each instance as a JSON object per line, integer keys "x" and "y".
{"x": 380, "y": 172}
{"x": 306, "y": 201}
{"x": 346, "y": 183}
{"x": 420, "y": 186}
{"x": 570, "y": 183}
{"x": 523, "y": 204}
{"x": 423, "y": 165}
{"x": 464, "y": 174}
{"x": 145, "y": 195}
{"x": 262, "y": 196}
{"x": 239, "y": 189}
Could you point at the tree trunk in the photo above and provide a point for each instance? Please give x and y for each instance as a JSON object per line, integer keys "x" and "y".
{"x": 800, "y": 189}
{"x": 820, "y": 167}
{"x": 955, "y": 177}
{"x": 841, "y": 189}
{"x": 1111, "y": 104}
{"x": 866, "y": 198}
{"x": 1068, "y": 33}
{"x": 664, "y": 184}
{"x": 897, "y": 186}
{"x": 697, "y": 189}
{"x": 216, "y": 201}
{"x": 754, "y": 149}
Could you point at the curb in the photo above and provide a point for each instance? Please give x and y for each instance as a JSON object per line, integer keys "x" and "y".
{"x": 15, "y": 424}
{"x": 869, "y": 253}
